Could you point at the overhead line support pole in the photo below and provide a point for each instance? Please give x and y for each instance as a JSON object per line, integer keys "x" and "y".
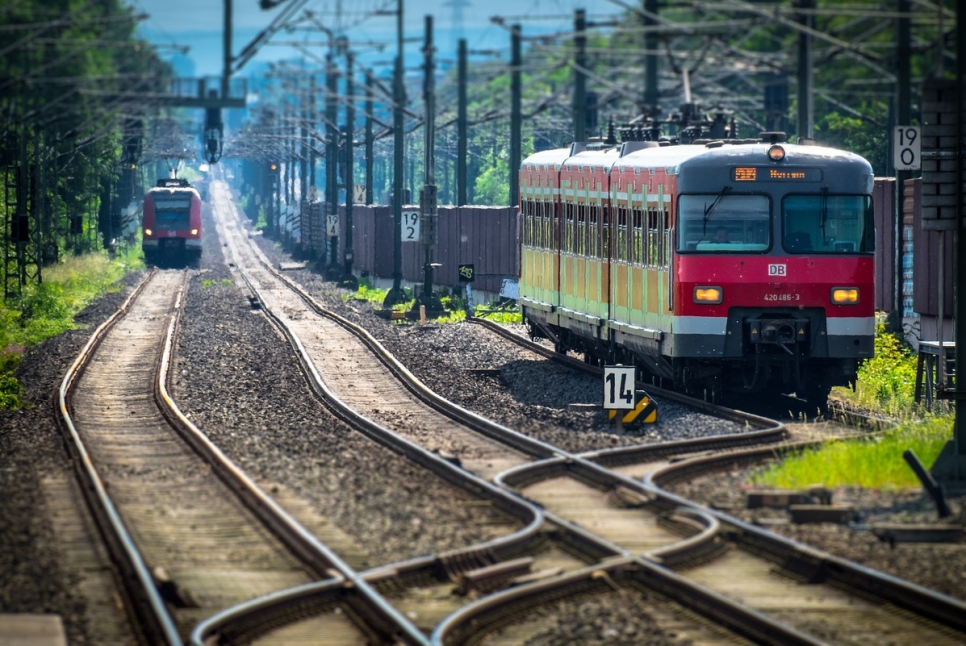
{"x": 580, "y": 76}
{"x": 806, "y": 80}
{"x": 331, "y": 154}
{"x": 395, "y": 294}
{"x": 461, "y": 125}
{"x": 369, "y": 161}
{"x": 348, "y": 279}
{"x": 428, "y": 198}
{"x": 515, "y": 118}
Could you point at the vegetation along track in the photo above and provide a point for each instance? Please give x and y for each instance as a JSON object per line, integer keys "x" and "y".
{"x": 184, "y": 543}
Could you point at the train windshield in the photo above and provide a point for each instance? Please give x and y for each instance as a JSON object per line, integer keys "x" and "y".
{"x": 723, "y": 222}
{"x": 826, "y": 223}
{"x": 172, "y": 212}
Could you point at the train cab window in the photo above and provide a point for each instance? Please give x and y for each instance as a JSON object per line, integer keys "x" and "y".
{"x": 723, "y": 223}
{"x": 828, "y": 224}
{"x": 172, "y": 212}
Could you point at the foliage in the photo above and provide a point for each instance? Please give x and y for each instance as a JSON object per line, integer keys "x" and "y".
{"x": 366, "y": 293}
{"x": 853, "y": 134}
{"x": 498, "y": 313}
{"x": 64, "y": 121}
{"x": 874, "y": 462}
{"x": 887, "y": 381}
{"x": 47, "y": 309}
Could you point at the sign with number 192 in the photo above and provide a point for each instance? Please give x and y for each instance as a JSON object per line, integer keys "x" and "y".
{"x": 410, "y": 226}
{"x": 619, "y": 387}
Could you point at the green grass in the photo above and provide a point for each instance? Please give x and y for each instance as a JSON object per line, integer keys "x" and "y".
{"x": 886, "y": 387}
{"x": 498, "y": 314}
{"x": 208, "y": 282}
{"x": 874, "y": 462}
{"x": 47, "y": 309}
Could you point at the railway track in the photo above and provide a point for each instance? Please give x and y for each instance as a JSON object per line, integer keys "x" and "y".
{"x": 603, "y": 479}
{"x": 189, "y": 533}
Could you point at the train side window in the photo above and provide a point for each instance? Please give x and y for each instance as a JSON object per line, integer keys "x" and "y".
{"x": 653, "y": 238}
{"x": 664, "y": 242}
{"x": 527, "y": 223}
{"x": 549, "y": 225}
{"x": 605, "y": 231}
{"x": 567, "y": 224}
{"x": 637, "y": 237}
{"x": 593, "y": 230}
{"x": 621, "y": 251}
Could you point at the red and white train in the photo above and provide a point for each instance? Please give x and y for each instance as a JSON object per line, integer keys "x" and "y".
{"x": 729, "y": 266}
{"x": 171, "y": 223}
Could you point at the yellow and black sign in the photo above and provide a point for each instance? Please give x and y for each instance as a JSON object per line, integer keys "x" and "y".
{"x": 644, "y": 411}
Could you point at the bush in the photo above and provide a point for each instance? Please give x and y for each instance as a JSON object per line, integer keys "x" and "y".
{"x": 887, "y": 381}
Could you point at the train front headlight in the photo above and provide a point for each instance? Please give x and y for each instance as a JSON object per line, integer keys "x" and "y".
{"x": 845, "y": 295}
{"x": 148, "y": 233}
{"x": 708, "y": 295}
{"x": 194, "y": 232}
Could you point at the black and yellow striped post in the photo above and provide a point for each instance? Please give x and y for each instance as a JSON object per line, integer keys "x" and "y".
{"x": 644, "y": 411}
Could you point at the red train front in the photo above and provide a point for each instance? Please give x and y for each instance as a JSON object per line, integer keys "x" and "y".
{"x": 172, "y": 223}
{"x": 732, "y": 266}
{"x": 774, "y": 267}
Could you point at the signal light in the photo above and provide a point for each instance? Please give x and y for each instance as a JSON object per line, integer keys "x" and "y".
{"x": 845, "y": 295}
{"x": 708, "y": 295}
{"x": 273, "y": 166}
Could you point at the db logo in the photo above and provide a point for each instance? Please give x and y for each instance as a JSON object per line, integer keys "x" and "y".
{"x": 776, "y": 270}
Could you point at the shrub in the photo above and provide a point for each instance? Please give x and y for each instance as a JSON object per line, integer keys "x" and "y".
{"x": 887, "y": 381}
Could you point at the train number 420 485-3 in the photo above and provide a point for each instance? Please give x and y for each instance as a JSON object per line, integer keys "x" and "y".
{"x": 782, "y": 297}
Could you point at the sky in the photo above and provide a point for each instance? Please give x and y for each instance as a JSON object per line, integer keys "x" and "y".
{"x": 198, "y": 25}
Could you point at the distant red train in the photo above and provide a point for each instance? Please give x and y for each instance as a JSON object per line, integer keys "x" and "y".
{"x": 172, "y": 223}
{"x": 731, "y": 266}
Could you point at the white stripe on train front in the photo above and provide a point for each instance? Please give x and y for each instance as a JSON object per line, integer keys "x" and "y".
{"x": 850, "y": 326}
{"x": 699, "y": 324}
{"x": 717, "y": 325}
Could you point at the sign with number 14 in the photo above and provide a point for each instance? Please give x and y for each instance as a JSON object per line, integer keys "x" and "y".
{"x": 619, "y": 387}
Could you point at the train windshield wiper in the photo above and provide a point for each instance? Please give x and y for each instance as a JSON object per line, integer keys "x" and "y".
{"x": 708, "y": 210}
{"x": 824, "y": 212}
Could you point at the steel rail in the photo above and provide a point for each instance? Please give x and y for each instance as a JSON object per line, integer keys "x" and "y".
{"x": 149, "y": 610}
{"x": 923, "y": 602}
